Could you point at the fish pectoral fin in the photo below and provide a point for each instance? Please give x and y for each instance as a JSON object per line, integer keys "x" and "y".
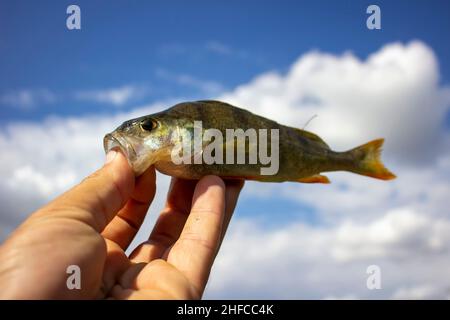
{"x": 317, "y": 178}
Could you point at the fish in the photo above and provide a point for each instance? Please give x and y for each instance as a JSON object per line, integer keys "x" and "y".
{"x": 302, "y": 156}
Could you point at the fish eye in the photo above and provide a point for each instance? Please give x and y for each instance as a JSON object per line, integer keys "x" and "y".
{"x": 148, "y": 124}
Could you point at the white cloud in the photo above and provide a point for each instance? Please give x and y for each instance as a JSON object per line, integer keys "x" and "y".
{"x": 27, "y": 98}
{"x": 304, "y": 261}
{"x": 29, "y": 177}
{"x": 115, "y": 96}
{"x": 42, "y": 160}
{"x": 394, "y": 94}
{"x": 402, "y": 225}
{"x": 422, "y": 292}
{"x": 396, "y": 235}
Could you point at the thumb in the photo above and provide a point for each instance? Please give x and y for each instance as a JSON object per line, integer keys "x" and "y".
{"x": 98, "y": 198}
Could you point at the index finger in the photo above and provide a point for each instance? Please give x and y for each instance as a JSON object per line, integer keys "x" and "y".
{"x": 194, "y": 252}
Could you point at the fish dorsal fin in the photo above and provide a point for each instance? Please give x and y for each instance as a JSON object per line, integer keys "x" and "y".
{"x": 313, "y": 137}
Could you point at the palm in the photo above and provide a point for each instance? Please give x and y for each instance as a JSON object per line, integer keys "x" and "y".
{"x": 157, "y": 279}
{"x": 174, "y": 263}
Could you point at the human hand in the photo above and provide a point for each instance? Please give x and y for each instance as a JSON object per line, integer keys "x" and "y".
{"x": 92, "y": 225}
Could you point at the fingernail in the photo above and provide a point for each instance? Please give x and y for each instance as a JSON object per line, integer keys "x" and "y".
{"x": 110, "y": 156}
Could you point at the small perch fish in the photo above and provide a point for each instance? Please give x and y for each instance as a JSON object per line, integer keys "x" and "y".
{"x": 301, "y": 155}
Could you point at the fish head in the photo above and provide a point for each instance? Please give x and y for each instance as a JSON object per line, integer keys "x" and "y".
{"x": 143, "y": 141}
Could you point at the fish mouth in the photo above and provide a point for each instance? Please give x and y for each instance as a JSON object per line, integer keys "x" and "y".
{"x": 114, "y": 141}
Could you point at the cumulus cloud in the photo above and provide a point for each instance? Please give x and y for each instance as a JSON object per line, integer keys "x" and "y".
{"x": 304, "y": 261}
{"x": 401, "y": 226}
{"x": 41, "y": 160}
{"x": 395, "y": 94}
{"x": 398, "y": 234}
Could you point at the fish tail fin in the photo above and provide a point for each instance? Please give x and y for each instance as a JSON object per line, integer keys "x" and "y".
{"x": 368, "y": 162}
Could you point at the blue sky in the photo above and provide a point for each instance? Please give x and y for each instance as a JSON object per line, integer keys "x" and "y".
{"x": 223, "y": 43}
{"x": 216, "y": 45}
{"x": 62, "y": 90}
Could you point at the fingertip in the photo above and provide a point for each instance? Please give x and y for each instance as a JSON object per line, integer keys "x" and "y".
{"x": 210, "y": 184}
{"x": 110, "y": 156}
{"x": 212, "y": 180}
{"x": 209, "y": 192}
{"x": 117, "y": 161}
{"x": 121, "y": 172}
{"x": 116, "y": 157}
